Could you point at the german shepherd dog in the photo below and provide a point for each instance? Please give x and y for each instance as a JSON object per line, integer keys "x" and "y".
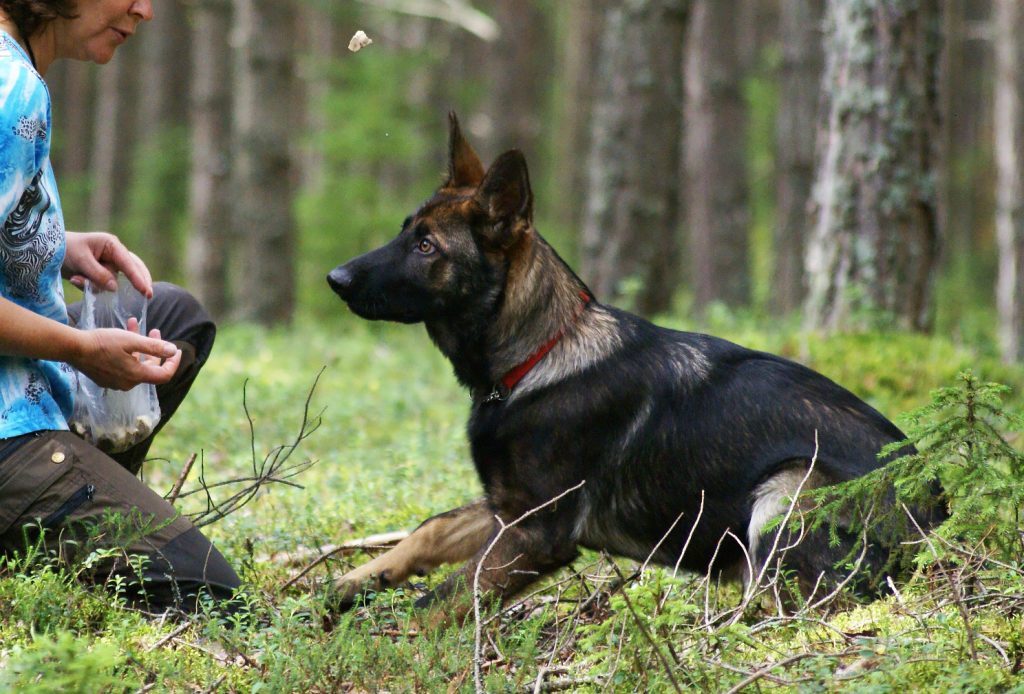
{"x": 652, "y": 429}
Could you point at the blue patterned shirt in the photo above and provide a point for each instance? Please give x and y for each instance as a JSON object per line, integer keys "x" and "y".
{"x": 35, "y": 394}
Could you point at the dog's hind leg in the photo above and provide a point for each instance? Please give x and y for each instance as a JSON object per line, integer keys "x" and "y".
{"x": 452, "y": 536}
{"x": 805, "y": 554}
{"x": 807, "y": 559}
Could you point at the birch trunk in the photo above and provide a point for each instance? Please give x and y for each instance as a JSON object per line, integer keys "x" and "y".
{"x": 1009, "y": 158}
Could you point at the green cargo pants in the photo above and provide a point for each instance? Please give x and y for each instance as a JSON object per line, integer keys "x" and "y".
{"x": 59, "y": 494}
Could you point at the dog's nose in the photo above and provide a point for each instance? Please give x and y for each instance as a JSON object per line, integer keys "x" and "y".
{"x": 340, "y": 279}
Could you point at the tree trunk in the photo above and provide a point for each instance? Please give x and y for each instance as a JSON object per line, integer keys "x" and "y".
{"x": 872, "y": 255}
{"x": 210, "y": 190}
{"x": 757, "y": 27}
{"x": 263, "y": 185}
{"x": 114, "y": 125}
{"x": 518, "y": 75}
{"x": 71, "y": 85}
{"x": 159, "y": 194}
{"x": 967, "y": 176}
{"x": 630, "y": 233}
{"x": 318, "y": 41}
{"x": 799, "y": 92}
{"x": 1009, "y": 157}
{"x": 73, "y": 99}
{"x": 717, "y": 213}
{"x": 580, "y": 50}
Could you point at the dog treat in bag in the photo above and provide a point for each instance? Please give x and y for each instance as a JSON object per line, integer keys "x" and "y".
{"x": 113, "y": 420}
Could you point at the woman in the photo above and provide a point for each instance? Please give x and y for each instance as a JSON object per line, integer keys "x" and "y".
{"x": 54, "y": 487}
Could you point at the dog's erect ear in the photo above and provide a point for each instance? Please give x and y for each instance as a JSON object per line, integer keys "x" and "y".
{"x": 464, "y": 167}
{"x": 505, "y": 193}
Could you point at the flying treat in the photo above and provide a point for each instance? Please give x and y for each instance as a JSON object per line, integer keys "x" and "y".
{"x": 359, "y": 40}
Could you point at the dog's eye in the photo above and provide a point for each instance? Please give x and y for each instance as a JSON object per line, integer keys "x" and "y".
{"x": 425, "y": 246}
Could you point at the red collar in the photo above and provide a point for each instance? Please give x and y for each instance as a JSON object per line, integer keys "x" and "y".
{"x": 509, "y": 381}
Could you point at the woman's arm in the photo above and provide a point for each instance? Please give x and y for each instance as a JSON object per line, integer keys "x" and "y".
{"x": 108, "y": 356}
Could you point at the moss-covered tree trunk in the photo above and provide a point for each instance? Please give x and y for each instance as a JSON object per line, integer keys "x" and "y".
{"x": 872, "y": 253}
{"x": 1009, "y": 156}
{"x": 263, "y": 96}
{"x": 630, "y": 237}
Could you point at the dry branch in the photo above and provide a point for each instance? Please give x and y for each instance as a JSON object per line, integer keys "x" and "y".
{"x": 274, "y": 468}
{"x": 373, "y": 541}
{"x": 306, "y": 554}
{"x": 172, "y": 496}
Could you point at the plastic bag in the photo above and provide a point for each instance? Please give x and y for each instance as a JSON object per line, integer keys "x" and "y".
{"x": 113, "y": 420}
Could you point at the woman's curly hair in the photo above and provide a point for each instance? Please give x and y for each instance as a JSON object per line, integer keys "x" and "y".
{"x": 31, "y": 15}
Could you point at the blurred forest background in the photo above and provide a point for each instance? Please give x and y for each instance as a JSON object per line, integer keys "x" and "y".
{"x": 840, "y": 164}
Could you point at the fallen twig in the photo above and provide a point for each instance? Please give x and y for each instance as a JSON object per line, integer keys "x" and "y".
{"x": 216, "y": 685}
{"x": 388, "y": 538}
{"x": 169, "y": 637}
{"x": 301, "y": 556}
{"x": 785, "y": 662}
{"x": 172, "y": 496}
{"x": 561, "y": 684}
{"x": 954, "y": 586}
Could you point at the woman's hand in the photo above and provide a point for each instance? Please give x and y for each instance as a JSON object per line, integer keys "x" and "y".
{"x": 112, "y": 357}
{"x": 122, "y": 359}
{"x": 97, "y": 256}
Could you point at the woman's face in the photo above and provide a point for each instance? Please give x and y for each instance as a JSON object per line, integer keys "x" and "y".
{"x": 100, "y": 27}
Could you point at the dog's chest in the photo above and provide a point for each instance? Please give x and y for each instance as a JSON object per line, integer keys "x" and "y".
{"x": 519, "y": 460}
{"x": 493, "y": 451}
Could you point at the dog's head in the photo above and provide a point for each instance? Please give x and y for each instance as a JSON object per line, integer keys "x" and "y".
{"x": 453, "y": 254}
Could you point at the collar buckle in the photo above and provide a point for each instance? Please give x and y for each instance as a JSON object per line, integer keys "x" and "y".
{"x": 498, "y": 393}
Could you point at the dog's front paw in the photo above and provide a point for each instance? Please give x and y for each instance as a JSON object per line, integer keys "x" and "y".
{"x": 358, "y": 586}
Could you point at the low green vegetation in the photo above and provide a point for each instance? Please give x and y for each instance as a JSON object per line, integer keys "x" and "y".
{"x": 385, "y": 427}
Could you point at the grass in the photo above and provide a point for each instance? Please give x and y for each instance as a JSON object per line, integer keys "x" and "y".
{"x": 390, "y": 451}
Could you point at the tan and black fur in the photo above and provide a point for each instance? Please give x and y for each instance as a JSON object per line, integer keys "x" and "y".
{"x": 649, "y": 419}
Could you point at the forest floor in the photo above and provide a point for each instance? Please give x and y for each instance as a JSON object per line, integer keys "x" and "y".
{"x": 383, "y": 448}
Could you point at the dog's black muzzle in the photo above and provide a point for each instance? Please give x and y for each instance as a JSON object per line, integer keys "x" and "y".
{"x": 377, "y": 286}
{"x": 341, "y": 280}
